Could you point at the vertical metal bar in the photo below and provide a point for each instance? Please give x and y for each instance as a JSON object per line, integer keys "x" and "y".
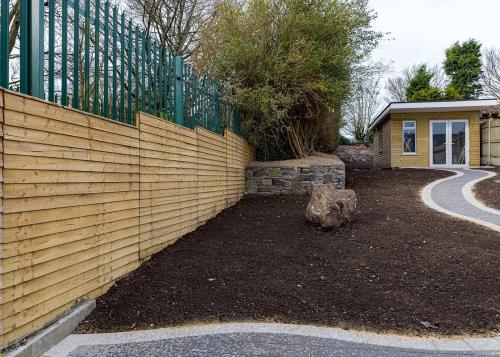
{"x": 38, "y": 47}
{"x": 129, "y": 62}
{"x": 97, "y": 34}
{"x": 137, "y": 89}
{"x": 4, "y": 43}
{"x": 115, "y": 57}
{"x": 149, "y": 77}
{"x": 187, "y": 97}
{"x": 86, "y": 87}
{"x": 217, "y": 112}
{"x": 122, "y": 68}
{"x": 143, "y": 72}
{"x": 76, "y": 55}
{"x": 179, "y": 95}
{"x": 24, "y": 45}
{"x": 195, "y": 99}
{"x": 106, "y": 60}
{"x": 52, "y": 33}
{"x": 170, "y": 87}
{"x": 165, "y": 80}
{"x": 64, "y": 54}
{"x": 155, "y": 80}
{"x": 32, "y": 48}
{"x": 160, "y": 79}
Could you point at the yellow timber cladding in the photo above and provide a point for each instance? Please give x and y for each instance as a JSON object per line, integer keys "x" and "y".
{"x": 394, "y": 125}
{"x": 86, "y": 200}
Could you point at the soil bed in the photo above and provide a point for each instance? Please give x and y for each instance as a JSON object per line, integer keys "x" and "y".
{"x": 488, "y": 191}
{"x": 400, "y": 267}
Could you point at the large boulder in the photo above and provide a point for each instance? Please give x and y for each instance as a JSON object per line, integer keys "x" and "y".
{"x": 329, "y": 207}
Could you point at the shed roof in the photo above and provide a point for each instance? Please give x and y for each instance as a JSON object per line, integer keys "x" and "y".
{"x": 438, "y": 106}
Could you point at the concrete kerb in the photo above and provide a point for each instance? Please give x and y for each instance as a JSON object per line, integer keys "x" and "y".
{"x": 48, "y": 337}
{"x": 469, "y": 195}
{"x": 426, "y": 196}
{"x": 464, "y": 344}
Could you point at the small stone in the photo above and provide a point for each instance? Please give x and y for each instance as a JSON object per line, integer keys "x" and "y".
{"x": 428, "y": 324}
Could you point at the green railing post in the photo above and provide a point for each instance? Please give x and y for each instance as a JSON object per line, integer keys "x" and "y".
{"x": 178, "y": 92}
{"x": 76, "y": 56}
{"x": 4, "y": 44}
{"x": 32, "y": 47}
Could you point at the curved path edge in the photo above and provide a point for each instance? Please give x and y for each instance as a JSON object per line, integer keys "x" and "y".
{"x": 426, "y": 196}
{"x": 462, "y": 344}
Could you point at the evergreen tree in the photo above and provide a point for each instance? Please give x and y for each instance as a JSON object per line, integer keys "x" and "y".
{"x": 463, "y": 66}
{"x": 419, "y": 87}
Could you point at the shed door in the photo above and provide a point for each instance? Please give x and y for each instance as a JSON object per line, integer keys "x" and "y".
{"x": 449, "y": 143}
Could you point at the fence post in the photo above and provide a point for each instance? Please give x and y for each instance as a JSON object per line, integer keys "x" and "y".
{"x": 32, "y": 47}
{"x": 178, "y": 92}
{"x": 4, "y": 44}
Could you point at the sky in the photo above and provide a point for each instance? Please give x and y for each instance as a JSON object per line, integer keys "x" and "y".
{"x": 421, "y": 30}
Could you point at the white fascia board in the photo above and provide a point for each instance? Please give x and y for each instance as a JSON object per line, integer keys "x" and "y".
{"x": 451, "y": 106}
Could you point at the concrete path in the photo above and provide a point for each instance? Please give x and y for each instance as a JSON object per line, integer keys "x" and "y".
{"x": 266, "y": 339}
{"x": 453, "y": 196}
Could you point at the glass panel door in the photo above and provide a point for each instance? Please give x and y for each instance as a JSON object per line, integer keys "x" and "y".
{"x": 439, "y": 143}
{"x": 458, "y": 143}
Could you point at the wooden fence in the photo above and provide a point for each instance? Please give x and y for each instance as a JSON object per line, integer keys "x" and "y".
{"x": 86, "y": 200}
{"x": 490, "y": 142}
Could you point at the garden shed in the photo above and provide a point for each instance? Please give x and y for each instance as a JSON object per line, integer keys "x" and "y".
{"x": 430, "y": 134}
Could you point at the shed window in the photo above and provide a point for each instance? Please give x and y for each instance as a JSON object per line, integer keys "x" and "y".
{"x": 409, "y": 137}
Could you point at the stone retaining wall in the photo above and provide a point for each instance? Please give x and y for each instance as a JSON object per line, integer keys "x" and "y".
{"x": 284, "y": 179}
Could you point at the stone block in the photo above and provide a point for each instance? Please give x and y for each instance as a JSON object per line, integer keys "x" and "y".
{"x": 260, "y": 172}
{"x": 329, "y": 178}
{"x": 273, "y": 172}
{"x": 318, "y": 169}
{"x": 267, "y": 182}
{"x": 281, "y": 183}
{"x": 251, "y": 187}
{"x": 289, "y": 172}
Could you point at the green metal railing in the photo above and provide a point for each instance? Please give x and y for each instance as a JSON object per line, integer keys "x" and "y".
{"x": 84, "y": 54}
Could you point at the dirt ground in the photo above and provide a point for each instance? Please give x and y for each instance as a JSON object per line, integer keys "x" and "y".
{"x": 399, "y": 267}
{"x": 356, "y": 156}
{"x": 488, "y": 191}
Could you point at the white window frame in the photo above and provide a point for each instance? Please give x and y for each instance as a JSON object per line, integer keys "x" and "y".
{"x": 403, "y": 137}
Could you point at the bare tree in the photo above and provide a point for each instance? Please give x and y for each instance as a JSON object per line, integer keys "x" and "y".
{"x": 491, "y": 71}
{"x": 360, "y": 108}
{"x": 396, "y": 85}
{"x": 175, "y": 22}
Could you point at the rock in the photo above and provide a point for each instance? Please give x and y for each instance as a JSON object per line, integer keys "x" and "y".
{"x": 329, "y": 207}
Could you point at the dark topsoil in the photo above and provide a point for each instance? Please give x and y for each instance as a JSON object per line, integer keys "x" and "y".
{"x": 399, "y": 267}
{"x": 488, "y": 191}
